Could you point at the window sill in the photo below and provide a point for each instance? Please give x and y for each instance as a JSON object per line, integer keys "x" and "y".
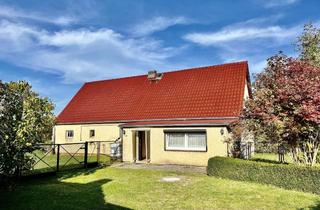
{"x": 185, "y": 150}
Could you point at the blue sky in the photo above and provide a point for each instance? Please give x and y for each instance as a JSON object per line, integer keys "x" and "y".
{"x": 57, "y": 45}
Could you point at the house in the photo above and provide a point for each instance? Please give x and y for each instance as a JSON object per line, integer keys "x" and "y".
{"x": 176, "y": 117}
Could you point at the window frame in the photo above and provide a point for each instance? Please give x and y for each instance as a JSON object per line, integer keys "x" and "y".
{"x": 185, "y": 149}
{"x": 94, "y": 133}
{"x": 67, "y": 134}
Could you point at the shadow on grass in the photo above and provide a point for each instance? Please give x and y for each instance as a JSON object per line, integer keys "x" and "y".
{"x": 266, "y": 161}
{"x": 78, "y": 172}
{"x": 313, "y": 207}
{"x": 51, "y": 193}
{"x": 64, "y": 173}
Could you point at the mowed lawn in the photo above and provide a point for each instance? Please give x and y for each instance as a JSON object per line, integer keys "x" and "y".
{"x": 120, "y": 188}
{"x": 271, "y": 157}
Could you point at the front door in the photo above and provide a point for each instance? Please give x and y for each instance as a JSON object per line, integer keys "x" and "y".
{"x": 141, "y": 146}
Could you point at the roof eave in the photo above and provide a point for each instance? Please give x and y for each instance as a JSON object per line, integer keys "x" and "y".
{"x": 177, "y": 125}
{"x": 143, "y": 120}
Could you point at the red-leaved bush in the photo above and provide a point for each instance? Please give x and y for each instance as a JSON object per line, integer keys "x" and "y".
{"x": 285, "y": 106}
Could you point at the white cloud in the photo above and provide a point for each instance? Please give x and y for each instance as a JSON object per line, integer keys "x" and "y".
{"x": 14, "y": 13}
{"x": 277, "y": 3}
{"x": 158, "y": 24}
{"x": 230, "y": 34}
{"x": 257, "y": 29}
{"x": 80, "y": 54}
{"x": 254, "y": 40}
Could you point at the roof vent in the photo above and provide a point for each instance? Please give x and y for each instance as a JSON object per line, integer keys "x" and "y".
{"x": 153, "y": 75}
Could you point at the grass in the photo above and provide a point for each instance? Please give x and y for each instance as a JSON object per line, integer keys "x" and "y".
{"x": 270, "y": 157}
{"x": 273, "y": 158}
{"x": 119, "y": 188}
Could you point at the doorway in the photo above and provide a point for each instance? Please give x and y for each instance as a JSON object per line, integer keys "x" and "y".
{"x": 141, "y": 146}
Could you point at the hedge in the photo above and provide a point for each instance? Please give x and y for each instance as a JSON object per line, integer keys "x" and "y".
{"x": 290, "y": 177}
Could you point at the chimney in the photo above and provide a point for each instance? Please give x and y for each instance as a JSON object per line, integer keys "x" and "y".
{"x": 153, "y": 75}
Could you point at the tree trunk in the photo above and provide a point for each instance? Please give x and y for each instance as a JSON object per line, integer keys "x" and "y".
{"x": 294, "y": 153}
{"x": 314, "y": 155}
{"x": 310, "y": 151}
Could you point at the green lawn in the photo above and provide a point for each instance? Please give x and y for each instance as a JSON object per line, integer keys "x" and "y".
{"x": 270, "y": 157}
{"x": 116, "y": 188}
{"x": 273, "y": 158}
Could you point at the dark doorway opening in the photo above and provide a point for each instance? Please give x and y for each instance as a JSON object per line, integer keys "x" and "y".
{"x": 142, "y": 145}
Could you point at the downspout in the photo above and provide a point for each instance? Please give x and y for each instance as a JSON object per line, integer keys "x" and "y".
{"x": 53, "y": 137}
{"x": 80, "y": 132}
{"x": 121, "y": 140}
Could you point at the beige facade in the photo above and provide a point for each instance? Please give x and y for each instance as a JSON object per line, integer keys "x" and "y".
{"x": 81, "y": 133}
{"x": 159, "y": 155}
{"x": 155, "y": 149}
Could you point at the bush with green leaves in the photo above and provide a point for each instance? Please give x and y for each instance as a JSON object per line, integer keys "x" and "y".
{"x": 291, "y": 177}
{"x": 26, "y": 119}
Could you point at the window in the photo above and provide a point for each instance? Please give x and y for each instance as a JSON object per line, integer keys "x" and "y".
{"x": 191, "y": 141}
{"x": 69, "y": 134}
{"x": 92, "y": 133}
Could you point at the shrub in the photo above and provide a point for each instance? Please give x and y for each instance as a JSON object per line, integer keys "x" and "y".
{"x": 26, "y": 119}
{"x": 291, "y": 177}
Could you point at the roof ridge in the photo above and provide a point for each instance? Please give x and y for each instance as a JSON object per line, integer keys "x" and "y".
{"x": 166, "y": 72}
{"x": 204, "y": 67}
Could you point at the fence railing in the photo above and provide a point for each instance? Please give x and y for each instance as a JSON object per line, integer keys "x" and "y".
{"x": 51, "y": 158}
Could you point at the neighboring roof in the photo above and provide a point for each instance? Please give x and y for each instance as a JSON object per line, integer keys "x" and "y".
{"x": 204, "y": 92}
{"x": 217, "y": 122}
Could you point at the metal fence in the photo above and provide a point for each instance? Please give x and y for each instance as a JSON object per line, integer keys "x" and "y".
{"x": 240, "y": 149}
{"x": 51, "y": 158}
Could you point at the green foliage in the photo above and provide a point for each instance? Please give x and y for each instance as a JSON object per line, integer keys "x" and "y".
{"x": 26, "y": 119}
{"x": 265, "y": 147}
{"x": 309, "y": 45}
{"x": 284, "y": 108}
{"x": 286, "y": 176}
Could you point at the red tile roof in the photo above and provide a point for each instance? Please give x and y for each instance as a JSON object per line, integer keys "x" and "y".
{"x": 204, "y": 92}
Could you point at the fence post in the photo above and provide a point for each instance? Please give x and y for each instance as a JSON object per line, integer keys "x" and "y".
{"x": 86, "y": 154}
{"x": 58, "y": 157}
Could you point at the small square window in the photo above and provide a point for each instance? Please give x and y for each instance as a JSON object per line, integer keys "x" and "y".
{"x": 69, "y": 134}
{"x": 92, "y": 133}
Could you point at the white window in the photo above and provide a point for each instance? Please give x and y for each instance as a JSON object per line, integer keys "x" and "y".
{"x": 190, "y": 141}
{"x": 69, "y": 134}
